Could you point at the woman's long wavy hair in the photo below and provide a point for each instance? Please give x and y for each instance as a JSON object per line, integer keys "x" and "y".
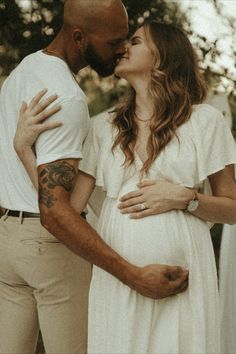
{"x": 175, "y": 86}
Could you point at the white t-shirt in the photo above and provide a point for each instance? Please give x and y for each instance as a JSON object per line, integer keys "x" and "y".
{"x": 35, "y": 72}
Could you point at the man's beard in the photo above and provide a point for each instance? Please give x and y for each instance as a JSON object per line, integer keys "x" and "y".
{"x": 97, "y": 63}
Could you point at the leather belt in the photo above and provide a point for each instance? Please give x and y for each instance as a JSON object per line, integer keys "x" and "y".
{"x": 26, "y": 214}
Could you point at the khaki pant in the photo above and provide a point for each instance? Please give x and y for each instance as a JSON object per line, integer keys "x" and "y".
{"x": 42, "y": 284}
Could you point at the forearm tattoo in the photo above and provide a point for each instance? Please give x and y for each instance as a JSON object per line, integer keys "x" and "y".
{"x": 56, "y": 174}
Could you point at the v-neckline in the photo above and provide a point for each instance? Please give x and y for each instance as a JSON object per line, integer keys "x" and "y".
{"x": 138, "y": 158}
{"x": 140, "y": 162}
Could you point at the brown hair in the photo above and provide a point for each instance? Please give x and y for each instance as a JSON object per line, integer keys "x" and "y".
{"x": 174, "y": 87}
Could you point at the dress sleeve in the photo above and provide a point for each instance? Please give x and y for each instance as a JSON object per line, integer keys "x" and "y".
{"x": 91, "y": 151}
{"x": 99, "y": 161}
{"x": 214, "y": 142}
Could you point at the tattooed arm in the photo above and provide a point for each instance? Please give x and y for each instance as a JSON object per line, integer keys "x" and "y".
{"x": 56, "y": 183}
{"x": 57, "y": 205}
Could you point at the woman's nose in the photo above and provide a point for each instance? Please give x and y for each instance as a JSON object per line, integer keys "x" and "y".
{"x": 123, "y": 48}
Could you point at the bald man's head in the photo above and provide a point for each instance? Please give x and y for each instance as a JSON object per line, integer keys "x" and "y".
{"x": 93, "y": 15}
{"x": 97, "y": 29}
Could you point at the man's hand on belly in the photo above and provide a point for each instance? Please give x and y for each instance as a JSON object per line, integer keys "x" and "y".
{"x": 158, "y": 281}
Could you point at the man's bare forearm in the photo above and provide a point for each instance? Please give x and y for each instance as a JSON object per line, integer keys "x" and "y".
{"x": 154, "y": 281}
{"x": 56, "y": 182}
{"x": 71, "y": 229}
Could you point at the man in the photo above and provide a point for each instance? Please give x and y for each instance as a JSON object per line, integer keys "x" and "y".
{"x": 42, "y": 283}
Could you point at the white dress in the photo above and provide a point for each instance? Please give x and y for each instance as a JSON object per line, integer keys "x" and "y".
{"x": 120, "y": 320}
{"x": 228, "y": 289}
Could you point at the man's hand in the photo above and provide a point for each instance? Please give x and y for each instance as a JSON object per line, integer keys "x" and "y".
{"x": 56, "y": 183}
{"x": 158, "y": 281}
{"x": 154, "y": 197}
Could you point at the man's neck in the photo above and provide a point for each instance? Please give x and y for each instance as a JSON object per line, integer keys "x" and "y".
{"x": 59, "y": 48}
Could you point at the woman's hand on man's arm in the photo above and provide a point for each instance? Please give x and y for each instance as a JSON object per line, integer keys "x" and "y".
{"x": 32, "y": 122}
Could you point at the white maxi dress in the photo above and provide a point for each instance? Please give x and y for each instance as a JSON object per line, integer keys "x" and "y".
{"x": 120, "y": 320}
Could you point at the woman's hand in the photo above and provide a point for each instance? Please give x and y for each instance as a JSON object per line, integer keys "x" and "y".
{"x": 32, "y": 121}
{"x": 154, "y": 197}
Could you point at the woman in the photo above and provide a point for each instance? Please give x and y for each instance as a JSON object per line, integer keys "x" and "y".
{"x": 162, "y": 131}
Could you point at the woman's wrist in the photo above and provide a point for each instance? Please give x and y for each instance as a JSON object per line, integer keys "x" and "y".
{"x": 183, "y": 198}
{"x": 22, "y": 150}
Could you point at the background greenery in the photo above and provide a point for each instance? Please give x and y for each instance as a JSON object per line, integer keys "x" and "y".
{"x": 23, "y": 31}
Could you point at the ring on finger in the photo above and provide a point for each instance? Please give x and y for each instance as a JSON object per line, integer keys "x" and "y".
{"x": 142, "y": 206}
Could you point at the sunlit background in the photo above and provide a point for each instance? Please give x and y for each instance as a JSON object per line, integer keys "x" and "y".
{"x": 211, "y": 25}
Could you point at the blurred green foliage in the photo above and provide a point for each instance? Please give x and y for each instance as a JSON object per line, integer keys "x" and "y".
{"x": 25, "y": 29}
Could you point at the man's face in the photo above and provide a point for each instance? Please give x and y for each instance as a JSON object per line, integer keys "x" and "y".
{"x": 104, "y": 49}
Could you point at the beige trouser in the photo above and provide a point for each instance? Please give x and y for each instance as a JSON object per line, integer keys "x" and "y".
{"x": 42, "y": 284}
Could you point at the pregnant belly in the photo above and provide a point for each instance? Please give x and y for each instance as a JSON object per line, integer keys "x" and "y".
{"x": 162, "y": 238}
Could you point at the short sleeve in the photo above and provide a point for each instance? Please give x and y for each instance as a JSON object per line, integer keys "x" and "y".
{"x": 91, "y": 151}
{"x": 214, "y": 142}
{"x": 99, "y": 160}
{"x": 67, "y": 140}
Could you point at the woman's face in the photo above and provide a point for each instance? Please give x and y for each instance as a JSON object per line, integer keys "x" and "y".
{"x": 138, "y": 58}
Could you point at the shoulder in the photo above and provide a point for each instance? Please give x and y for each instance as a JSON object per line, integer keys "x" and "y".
{"x": 29, "y": 58}
{"x": 50, "y": 72}
{"x": 206, "y": 115}
{"x": 22, "y": 68}
{"x": 205, "y": 123}
{"x": 102, "y": 123}
{"x": 205, "y": 108}
{"x": 205, "y": 120}
{"x": 31, "y": 62}
{"x": 74, "y": 113}
{"x": 101, "y": 131}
